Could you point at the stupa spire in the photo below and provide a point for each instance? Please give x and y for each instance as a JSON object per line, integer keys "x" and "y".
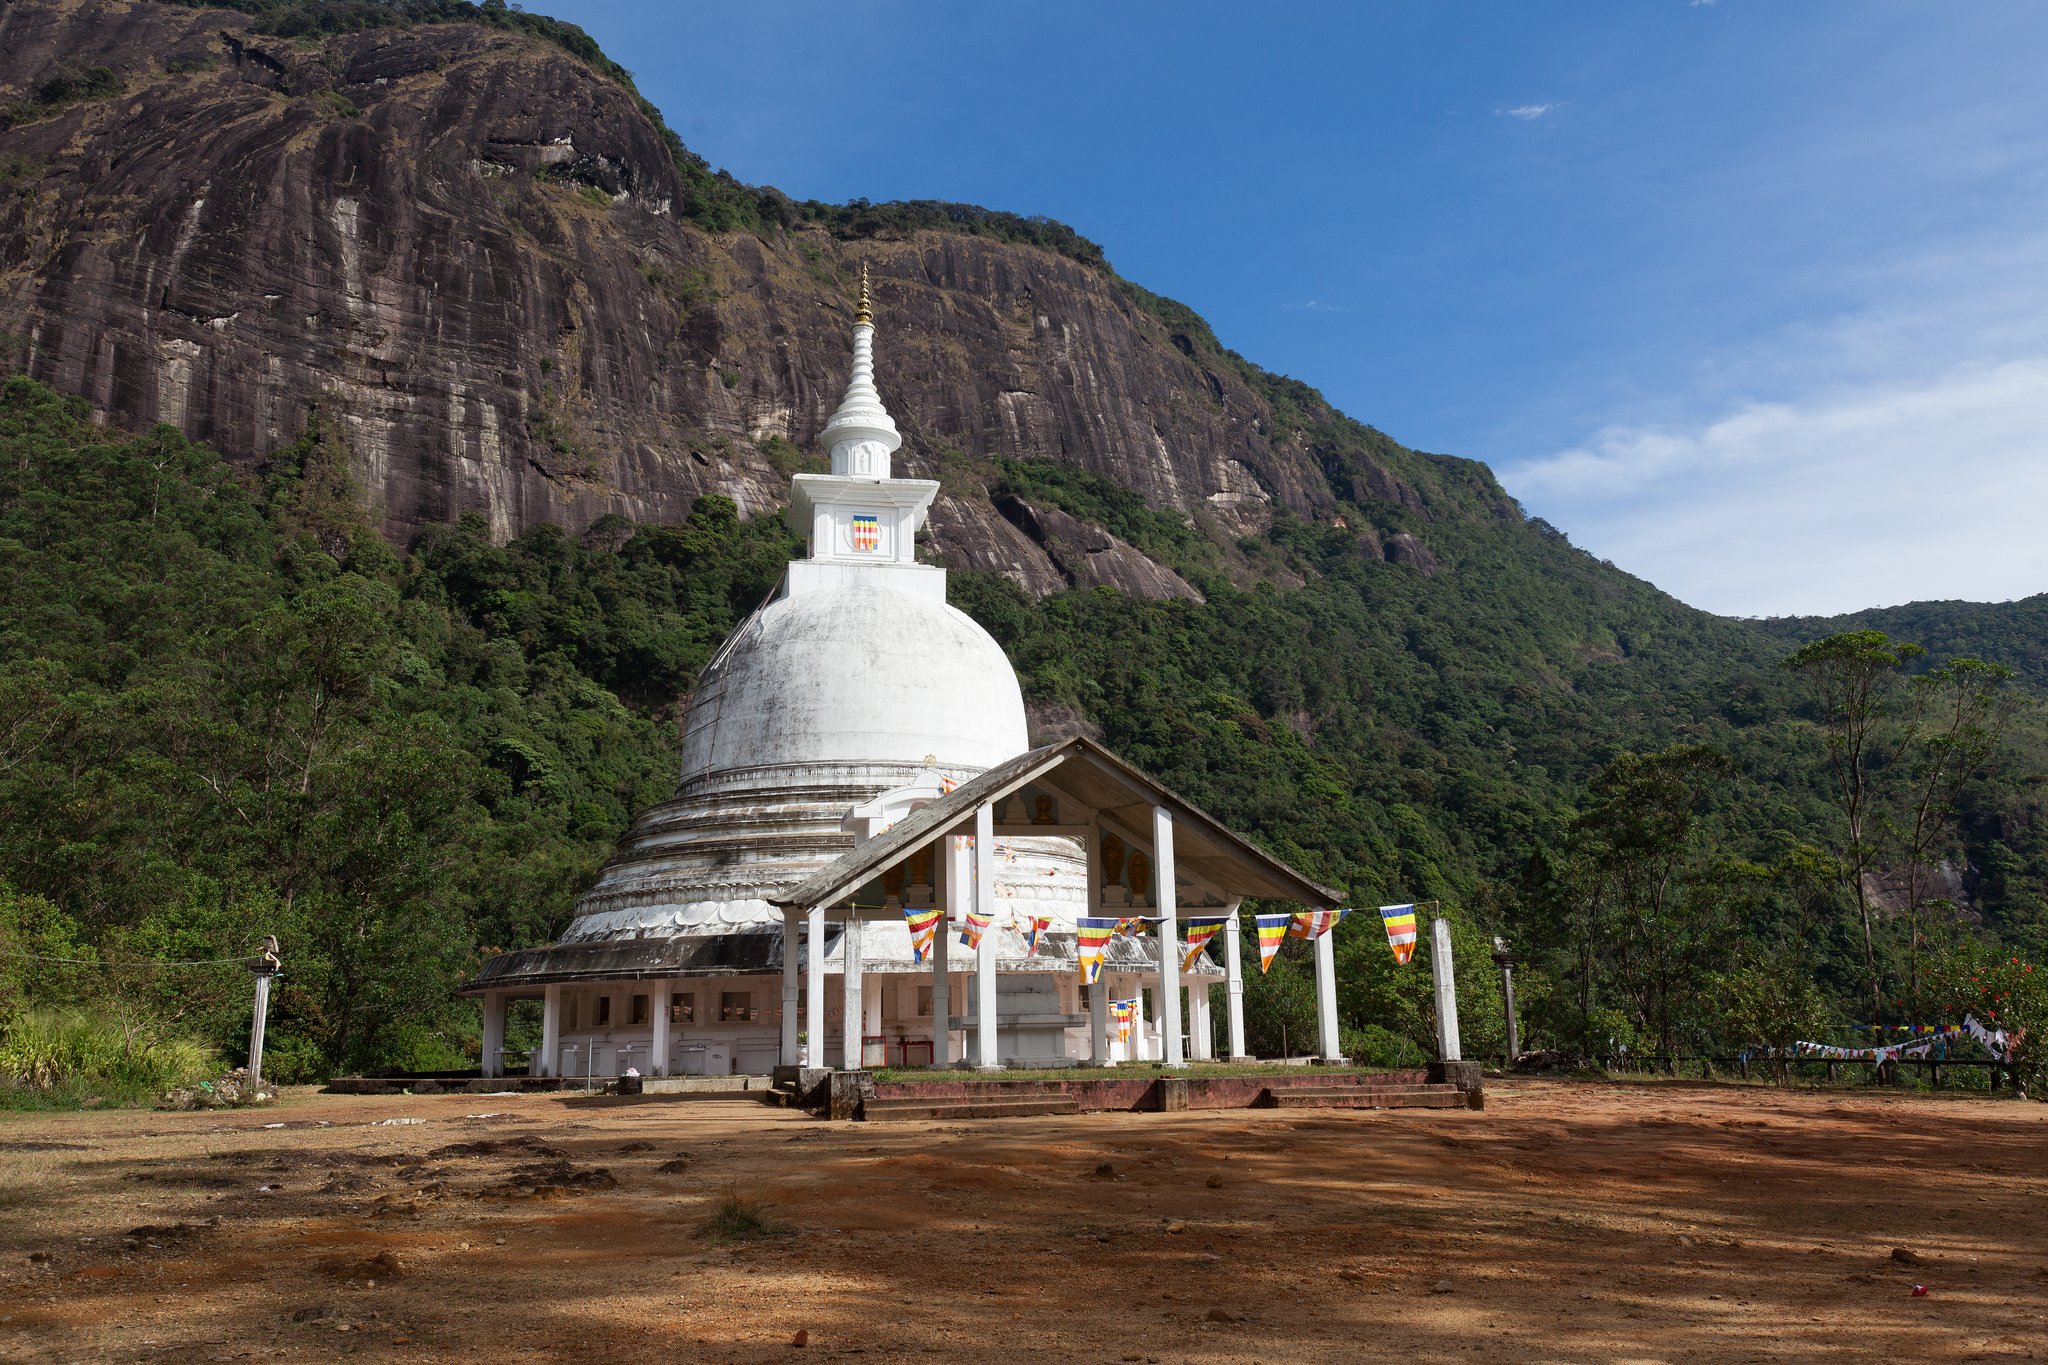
{"x": 861, "y": 435}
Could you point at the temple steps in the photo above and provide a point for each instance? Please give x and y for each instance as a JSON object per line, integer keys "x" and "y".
{"x": 973, "y": 1107}
{"x": 1417, "y": 1096}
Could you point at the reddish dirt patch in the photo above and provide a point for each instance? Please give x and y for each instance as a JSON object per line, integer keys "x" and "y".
{"x": 1565, "y": 1223}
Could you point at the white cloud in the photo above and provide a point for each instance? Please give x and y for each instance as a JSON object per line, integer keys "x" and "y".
{"x": 1529, "y": 113}
{"x": 1845, "y": 497}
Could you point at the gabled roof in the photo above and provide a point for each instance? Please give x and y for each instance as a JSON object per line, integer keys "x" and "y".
{"x": 1204, "y": 849}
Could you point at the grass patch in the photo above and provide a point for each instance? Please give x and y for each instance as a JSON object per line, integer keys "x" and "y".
{"x": 1129, "y": 1071}
{"x": 72, "y": 1059}
{"x": 740, "y": 1219}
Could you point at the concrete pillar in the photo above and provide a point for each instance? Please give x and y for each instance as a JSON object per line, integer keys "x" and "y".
{"x": 657, "y": 1056}
{"x": 1233, "y": 986}
{"x": 494, "y": 1033}
{"x": 1098, "y": 991}
{"x": 1169, "y": 936}
{"x": 792, "y": 990}
{"x": 986, "y": 1055}
{"x": 1201, "y": 1036}
{"x": 851, "y": 1014}
{"x": 1326, "y": 996}
{"x": 952, "y": 874}
{"x": 1446, "y": 991}
{"x": 814, "y": 988}
{"x": 549, "y": 1062}
{"x": 1138, "y": 1020}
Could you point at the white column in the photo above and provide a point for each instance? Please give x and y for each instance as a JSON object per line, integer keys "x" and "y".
{"x": 1201, "y": 1037}
{"x": 791, "y": 989}
{"x": 1169, "y": 936}
{"x": 1233, "y": 985}
{"x": 550, "y": 1060}
{"x": 1446, "y": 991}
{"x": 1326, "y": 995}
{"x": 1098, "y": 993}
{"x": 657, "y": 1057}
{"x": 1138, "y": 1020}
{"x": 951, "y": 864}
{"x": 494, "y": 1033}
{"x": 851, "y": 1016}
{"x": 814, "y": 988}
{"x": 986, "y": 1055}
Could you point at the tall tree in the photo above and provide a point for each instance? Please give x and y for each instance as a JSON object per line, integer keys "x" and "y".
{"x": 1958, "y": 717}
{"x": 1847, "y": 675}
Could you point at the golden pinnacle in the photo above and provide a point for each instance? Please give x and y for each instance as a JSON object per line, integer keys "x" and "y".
{"x": 866, "y": 311}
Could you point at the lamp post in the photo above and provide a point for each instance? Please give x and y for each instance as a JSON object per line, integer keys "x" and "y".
{"x": 1506, "y": 960}
{"x": 264, "y": 965}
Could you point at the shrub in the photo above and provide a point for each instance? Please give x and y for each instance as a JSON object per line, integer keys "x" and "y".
{"x": 74, "y": 1056}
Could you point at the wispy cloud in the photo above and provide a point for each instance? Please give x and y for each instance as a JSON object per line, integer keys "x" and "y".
{"x": 1315, "y": 306}
{"x": 1862, "y": 497}
{"x": 1529, "y": 113}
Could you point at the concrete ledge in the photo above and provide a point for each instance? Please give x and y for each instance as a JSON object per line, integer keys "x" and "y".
{"x": 1465, "y": 1076}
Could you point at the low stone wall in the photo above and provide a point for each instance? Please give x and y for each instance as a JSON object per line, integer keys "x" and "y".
{"x": 1142, "y": 1093}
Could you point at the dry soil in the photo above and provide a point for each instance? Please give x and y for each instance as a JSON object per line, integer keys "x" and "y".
{"x": 1567, "y": 1222}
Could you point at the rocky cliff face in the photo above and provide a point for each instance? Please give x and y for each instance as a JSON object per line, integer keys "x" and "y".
{"x": 462, "y": 245}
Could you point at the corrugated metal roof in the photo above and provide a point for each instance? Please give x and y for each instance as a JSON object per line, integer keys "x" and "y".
{"x": 1204, "y": 849}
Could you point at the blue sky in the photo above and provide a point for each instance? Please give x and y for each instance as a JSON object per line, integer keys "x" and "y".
{"x": 1750, "y": 298}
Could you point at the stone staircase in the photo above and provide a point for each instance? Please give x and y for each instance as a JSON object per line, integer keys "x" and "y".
{"x": 899, "y": 1107}
{"x": 1413, "y": 1095}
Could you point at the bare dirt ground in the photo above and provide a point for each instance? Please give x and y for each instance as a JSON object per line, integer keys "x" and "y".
{"x": 1567, "y": 1222}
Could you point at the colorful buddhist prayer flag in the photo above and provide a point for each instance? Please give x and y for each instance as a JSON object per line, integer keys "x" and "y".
{"x": 1123, "y": 1013}
{"x": 1091, "y": 937}
{"x": 1315, "y": 923}
{"x": 970, "y": 933}
{"x": 1035, "y": 925}
{"x": 1201, "y": 928}
{"x": 923, "y": 924}
{"x": 867, "y": 533}
{"x": 947, "y": 784}
{"x": 1272, "y": 932}
{"x": 1400, "y": 922}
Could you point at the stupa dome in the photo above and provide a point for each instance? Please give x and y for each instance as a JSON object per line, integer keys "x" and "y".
{"x": 860, "y": 673}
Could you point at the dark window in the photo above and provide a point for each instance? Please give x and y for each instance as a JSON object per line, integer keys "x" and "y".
{"x": 639, "y": 1009}
{"x": 604, "y": 1010}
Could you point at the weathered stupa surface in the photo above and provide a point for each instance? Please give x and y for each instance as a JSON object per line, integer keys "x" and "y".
{"x": 855, "y": 680}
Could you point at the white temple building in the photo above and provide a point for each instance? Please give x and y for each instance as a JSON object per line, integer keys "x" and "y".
{"x": 856, "y": 750}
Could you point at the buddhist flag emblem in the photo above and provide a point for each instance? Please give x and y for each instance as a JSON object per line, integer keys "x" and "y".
{"x": 867, "y": 533}
{"x": 1091, "y": 937}
{"x": 1272, "y": 932}
{"x": 1201, "y": 928}
{"x": 1315, "y": 923}
{"x": 970, "y": 933}
{"x": 1035, "y": 925}
{"x": 1400, "y": 922}
{"x": 1123, "y": 1013}
{"x": 923, "y": 925}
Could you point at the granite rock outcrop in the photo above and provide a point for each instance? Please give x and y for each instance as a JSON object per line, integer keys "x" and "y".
{"x": 461, "y": 247}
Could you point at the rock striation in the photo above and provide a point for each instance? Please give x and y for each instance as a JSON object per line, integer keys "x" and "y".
{"x": 462, "y": 247}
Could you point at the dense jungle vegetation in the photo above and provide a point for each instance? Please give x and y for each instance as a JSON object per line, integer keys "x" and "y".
{"x": 227, "y": 709}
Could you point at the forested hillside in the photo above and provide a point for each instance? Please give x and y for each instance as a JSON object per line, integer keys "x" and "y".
{"x": 227, "y": 708}
{"x": 262, "y": 692}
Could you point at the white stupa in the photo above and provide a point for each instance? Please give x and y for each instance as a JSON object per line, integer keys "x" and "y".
{"x": 853, "y": 697}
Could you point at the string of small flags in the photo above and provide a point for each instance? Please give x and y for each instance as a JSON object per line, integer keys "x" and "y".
{"x": 1995, "y": 1041}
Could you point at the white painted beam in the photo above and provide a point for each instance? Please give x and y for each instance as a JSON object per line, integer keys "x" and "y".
{"x": 1164, "y": 905}
{"x": 814, "y": 988}
{"x": 792, "y": 990}
{"x": 986, "y": 1054}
